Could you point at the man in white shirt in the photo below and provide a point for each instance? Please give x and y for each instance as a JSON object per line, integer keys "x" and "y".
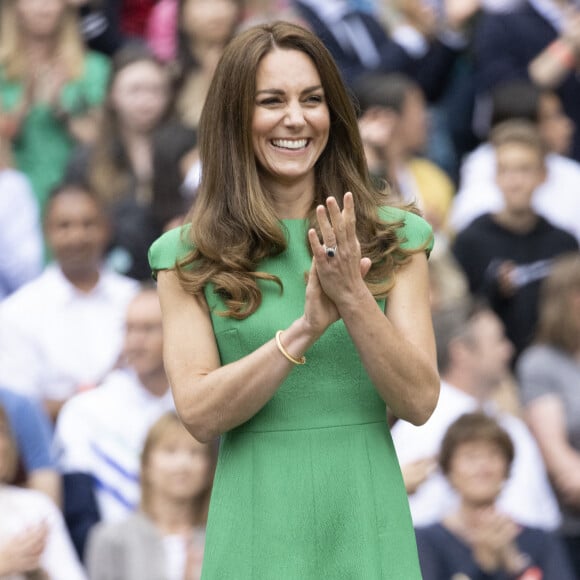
{"x": 101, "y": 432}
{"x": 63, "y": 332}
{"x": 473, "y": 356}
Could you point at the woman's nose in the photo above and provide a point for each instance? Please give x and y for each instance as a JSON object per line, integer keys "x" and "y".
{"x": 294, "y": 114}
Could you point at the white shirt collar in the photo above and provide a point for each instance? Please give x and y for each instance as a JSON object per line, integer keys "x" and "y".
{"x": 328, "y": 10}
{"x": 65, "y": 291}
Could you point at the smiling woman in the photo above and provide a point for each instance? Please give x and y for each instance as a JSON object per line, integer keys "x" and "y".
{"x": 478, "y": 540}
{"x": 291, "y": 121}
{"x": 295, "y": 372}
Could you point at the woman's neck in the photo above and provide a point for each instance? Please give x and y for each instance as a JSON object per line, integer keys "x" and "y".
{"x": 467, "y": 517}
{"x": 207, "y": 53}
{"x": 172, "y": 516}
{"x": 40, "y": 49}
{"x": 292, "y": 200}
{"x": 139, "y": 151}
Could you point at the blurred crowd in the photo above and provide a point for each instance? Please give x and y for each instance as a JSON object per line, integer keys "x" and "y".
{"x": 468, "y": 108}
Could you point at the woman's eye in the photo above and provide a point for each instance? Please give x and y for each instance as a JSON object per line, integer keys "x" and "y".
{"x": 270, "y": 101}
{"x": 315, "y": 99}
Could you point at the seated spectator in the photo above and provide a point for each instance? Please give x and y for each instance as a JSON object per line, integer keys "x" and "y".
{"x": 100, "y": 24}
{"x": 120, "y": 166}
{"x": 549, "y": 373}
{"x": 51, "y": 88}
{"x": 473, "y": 355}
{"x": 33, "y": 539}
{"x": 557, "y": 198}
{"x": 478, "y": 540}
{"x": 165, "y": 538}
{"x": 63, "y": 332}
{"x": 540, "y": 42}
{"x": 100, "y": 433}
{"x": 21, "y": 245}
{"x": 394, "y": 128}
{"x": 507, "y": 253}
{"x": 205, "y": 29}
{"x": 33, "y": 436}
{"x": 360, "y": 44}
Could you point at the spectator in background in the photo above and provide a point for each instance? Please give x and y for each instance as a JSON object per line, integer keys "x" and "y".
{"x": 51, "y": 88}
{"x": 473, "y": 356}
{"x": 558, "y": 197}
{"x": 549, "y": 374}
{"x": 100, "y": 433}
{"x": 539, "y": 41}
{"x": 33, "y": 539}
{"x": 165, "y": 538}
{"x": 33, "y": 436}
{"x": 100, "y": 24}
{"x": 361, "y": 44}
{"x": 62, "y": 332}
{"x": 21, "y": 245}
{"x": 204, "y": 30}
{"x": 507, "y": 253}
{"x": 119, "y": 167}
{"x": 394, "y": 127}
{"x": 478, "y": 540}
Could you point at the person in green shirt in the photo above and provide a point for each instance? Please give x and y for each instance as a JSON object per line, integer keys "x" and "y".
{"x": 51, "y": 88}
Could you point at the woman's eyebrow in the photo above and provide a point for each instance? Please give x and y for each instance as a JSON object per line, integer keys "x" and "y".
{"x": 281, "y": 92}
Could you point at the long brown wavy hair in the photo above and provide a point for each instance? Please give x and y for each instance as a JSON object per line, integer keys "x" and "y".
{"x": 233, "y": 223}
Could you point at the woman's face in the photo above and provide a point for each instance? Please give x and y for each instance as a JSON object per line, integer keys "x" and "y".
{"x": 212, "y": 21}
{"x": 40, "y": 18}
{"x": 178, "y": 466}
{"x": 140, "y": 95}
{"x": 477, "y": 471}
{"x": 291, "y": 120}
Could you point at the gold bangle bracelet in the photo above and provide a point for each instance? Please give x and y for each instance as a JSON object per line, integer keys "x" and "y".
{"x": 292, "y": 359}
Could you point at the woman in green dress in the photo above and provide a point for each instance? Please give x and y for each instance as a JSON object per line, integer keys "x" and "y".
{"x": 296, "y": 311}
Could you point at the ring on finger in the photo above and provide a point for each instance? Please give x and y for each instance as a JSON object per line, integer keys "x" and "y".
{"x": 330, "y": 251}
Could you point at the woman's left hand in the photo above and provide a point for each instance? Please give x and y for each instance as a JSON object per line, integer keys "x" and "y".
{"x": 342, "y": 275}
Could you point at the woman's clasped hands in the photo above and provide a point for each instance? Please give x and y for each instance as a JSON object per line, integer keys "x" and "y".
{"x": 337, "y": 276}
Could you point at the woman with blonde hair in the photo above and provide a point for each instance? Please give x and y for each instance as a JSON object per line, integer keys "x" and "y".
{"x": 164, "y": 539}
{"x": 34, "y": 542}
{"x": 50, "y": 87}
{"x": 549, "y": 376}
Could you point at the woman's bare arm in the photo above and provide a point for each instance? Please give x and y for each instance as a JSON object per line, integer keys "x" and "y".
{"x": 210, "y": 398}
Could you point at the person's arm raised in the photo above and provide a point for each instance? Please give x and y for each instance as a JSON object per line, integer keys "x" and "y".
{"x": 397, "y": 350}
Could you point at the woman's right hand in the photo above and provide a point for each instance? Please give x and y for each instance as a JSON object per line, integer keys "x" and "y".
{"x": 319, "y": 310}
{"x": 22, "y": 552}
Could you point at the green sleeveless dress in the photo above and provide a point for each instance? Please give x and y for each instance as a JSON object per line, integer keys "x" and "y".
{"x": 310, "y": 487}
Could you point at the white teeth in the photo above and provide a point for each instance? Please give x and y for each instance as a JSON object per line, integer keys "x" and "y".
{"x": 290, "y": 144}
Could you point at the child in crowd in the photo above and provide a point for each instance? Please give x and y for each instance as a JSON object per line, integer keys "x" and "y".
{"x": 506, "y": 254}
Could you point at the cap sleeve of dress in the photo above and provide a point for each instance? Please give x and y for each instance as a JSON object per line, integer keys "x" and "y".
{"x": 169, "y": 248}
{"x": 415, "y": 234}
